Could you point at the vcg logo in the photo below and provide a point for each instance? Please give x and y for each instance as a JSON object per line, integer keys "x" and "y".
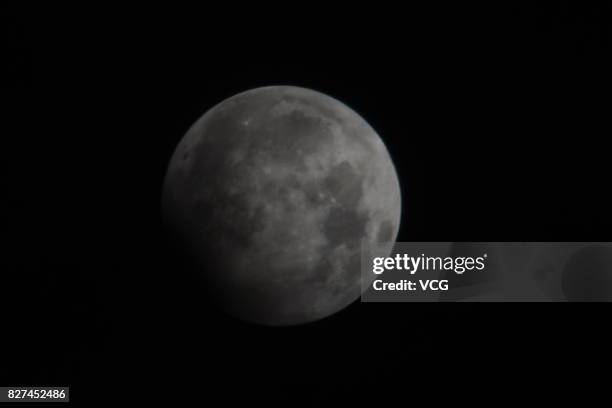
{"x": 433, "y": 284}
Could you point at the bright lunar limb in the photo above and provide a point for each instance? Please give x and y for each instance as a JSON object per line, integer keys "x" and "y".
{"x": 272, "y": 192}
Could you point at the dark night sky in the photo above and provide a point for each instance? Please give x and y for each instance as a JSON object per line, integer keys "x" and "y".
{"x": 496, "y": 119}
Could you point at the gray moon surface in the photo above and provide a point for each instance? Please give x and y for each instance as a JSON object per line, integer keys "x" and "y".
{"x": 272, "y": 192}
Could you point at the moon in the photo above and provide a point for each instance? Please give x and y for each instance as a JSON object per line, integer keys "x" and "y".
{"x": 272, "y": 193}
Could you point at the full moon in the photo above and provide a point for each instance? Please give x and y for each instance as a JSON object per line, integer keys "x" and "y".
{"x": 272, "y": 193}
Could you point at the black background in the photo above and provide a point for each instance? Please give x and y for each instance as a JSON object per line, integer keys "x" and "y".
{"x": 497, "y": 120}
